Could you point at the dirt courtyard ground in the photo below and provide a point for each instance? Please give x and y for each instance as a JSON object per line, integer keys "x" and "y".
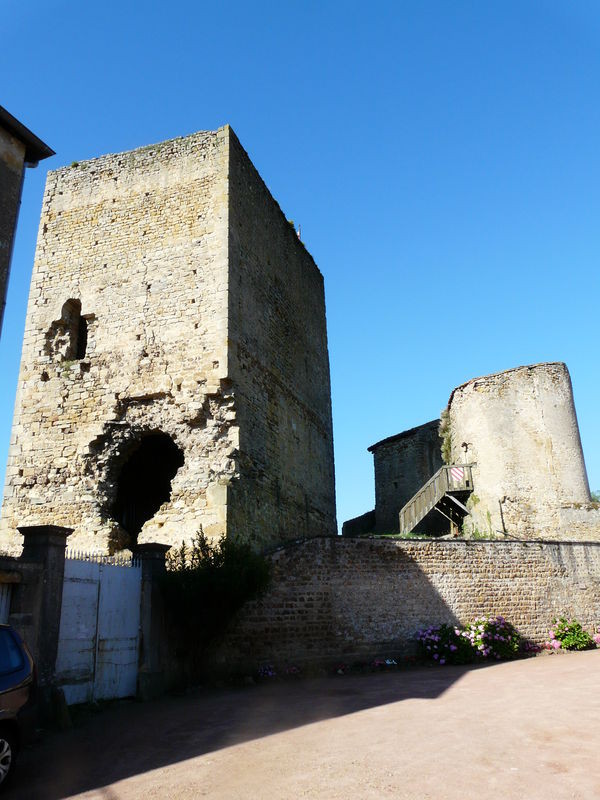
{"x": 527, "y": 729}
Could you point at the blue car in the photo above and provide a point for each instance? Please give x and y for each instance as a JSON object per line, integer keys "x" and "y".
{"x": 17, "y": 698}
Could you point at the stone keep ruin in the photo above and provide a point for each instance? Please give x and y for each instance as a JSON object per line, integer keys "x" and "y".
{"x": 504, "y": 461}
{"x": 174, "y": 371}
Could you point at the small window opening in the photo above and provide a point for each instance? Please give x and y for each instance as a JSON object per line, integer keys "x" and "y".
{"x": 67, "y": 338}
{"x": 71, "y": 320}
{"x": 81, "y": 338}
{"x": 145, "y": 481}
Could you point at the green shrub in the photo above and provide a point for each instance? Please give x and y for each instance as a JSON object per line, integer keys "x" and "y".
{"x": 571, "y": 635}
{"x": 486, "y": 638}
{"x": 445, "y": 434}
{"x": 205, "y": 585}
{"x": 445, "y": 644}
{"x": 493, "y": 637}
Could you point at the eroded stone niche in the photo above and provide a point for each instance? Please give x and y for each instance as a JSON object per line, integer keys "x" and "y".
{"x": 144, "y": 482}
{"x": 151, "y": 469}
{"x": 67, "y": 337}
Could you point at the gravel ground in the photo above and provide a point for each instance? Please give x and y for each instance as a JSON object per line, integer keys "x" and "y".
{"x": 526, "y": 729}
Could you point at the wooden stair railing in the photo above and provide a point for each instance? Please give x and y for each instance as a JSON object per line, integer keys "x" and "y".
{"x": 440, "y": 492}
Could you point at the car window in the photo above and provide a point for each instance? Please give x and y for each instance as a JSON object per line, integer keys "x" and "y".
{"x": 11, "y": 657}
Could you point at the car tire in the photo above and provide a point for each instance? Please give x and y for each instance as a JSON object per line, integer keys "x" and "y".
{"x": 8, "y": 755}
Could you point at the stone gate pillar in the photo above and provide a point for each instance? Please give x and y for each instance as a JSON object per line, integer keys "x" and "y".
{"x": 151, "y": 676}
{"x": 45, "y": 545}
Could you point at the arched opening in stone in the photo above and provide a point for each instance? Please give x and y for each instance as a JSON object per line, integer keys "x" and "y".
{"x": 144, "y": 483}
{"x": 67, "y": 337}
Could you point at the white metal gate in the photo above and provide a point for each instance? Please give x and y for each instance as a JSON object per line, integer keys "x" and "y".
{"x": 99, "y": 629}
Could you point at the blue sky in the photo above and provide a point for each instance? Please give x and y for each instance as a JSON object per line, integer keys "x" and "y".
{"x": 441, "y": 158}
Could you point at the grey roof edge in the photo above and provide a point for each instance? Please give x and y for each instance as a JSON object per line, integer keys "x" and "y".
{"x": 35, "y": 149}
{"x": 403, "y": 434}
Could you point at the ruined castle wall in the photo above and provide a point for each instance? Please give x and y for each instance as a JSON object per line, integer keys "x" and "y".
{"x": 340, "y": 599}
{"x": 279, "y": 369}
{"x": 403, "y": 463}
{"x": 519, "y": 429}
{"x": 12, "y": 157}
{"x": 139, "y": 240}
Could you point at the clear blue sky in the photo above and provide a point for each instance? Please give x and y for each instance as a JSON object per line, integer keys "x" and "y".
{"x": 442, "y": 159}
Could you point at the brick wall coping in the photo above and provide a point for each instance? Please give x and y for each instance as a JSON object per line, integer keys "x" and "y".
{"x": 353, "y": 541}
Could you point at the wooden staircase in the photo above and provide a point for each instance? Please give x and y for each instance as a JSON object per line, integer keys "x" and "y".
{"x": 447, "y": 492}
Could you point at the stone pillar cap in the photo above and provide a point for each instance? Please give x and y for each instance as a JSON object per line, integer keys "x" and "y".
{"x": 149, "y": 549}
{"x": 44, "y": 530}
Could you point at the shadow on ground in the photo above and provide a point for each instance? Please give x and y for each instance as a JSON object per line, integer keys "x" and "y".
{"x": 132, "y": 738}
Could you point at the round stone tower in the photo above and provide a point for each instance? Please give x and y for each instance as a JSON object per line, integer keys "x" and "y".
{"x": 519, "y": 430}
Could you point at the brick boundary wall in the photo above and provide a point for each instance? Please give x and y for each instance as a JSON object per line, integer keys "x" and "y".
{"x": 357, "y": 598}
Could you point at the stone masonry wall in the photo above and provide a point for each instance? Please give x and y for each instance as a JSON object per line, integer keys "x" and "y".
{"x": 139, "y": 239}
{"x": 403, "y": 463}
{"x": 12, "y": 156}
{"x": 170, "y": 295}
{"x": 519, "y": 429}
{"x": 279, "y": 368}
{"x": 339, "y": 599}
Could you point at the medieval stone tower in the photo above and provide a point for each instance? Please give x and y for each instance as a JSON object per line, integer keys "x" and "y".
{"x": 519, "y": 430}
{"x": 174, "y": 370}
